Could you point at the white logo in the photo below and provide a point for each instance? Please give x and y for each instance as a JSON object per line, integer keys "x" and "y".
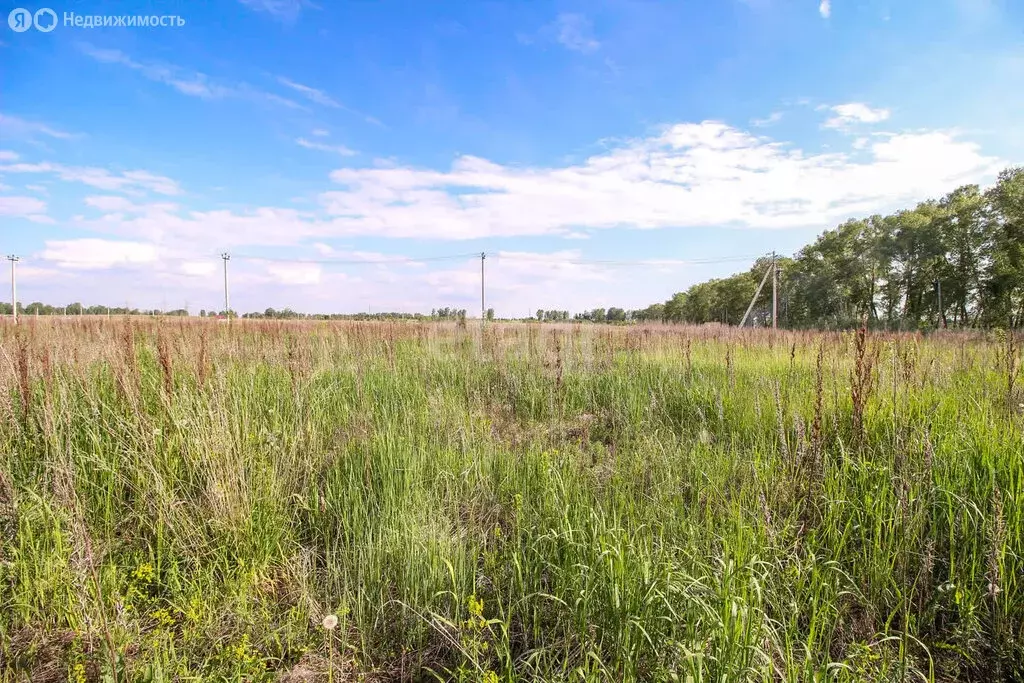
{"x": 20, "y": 20}
{"x": 45, "y": 20}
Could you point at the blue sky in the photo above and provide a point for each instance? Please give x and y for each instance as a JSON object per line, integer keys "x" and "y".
{"x": 330, "y": 146}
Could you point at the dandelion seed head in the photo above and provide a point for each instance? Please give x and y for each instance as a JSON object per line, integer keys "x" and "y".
{"x": 329, "y": 622}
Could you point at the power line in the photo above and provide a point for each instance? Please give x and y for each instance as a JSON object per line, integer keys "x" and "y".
{"x": 621, "y": 262}
{"x": 385, "y": 260}
{"x": 358, "y": 262}
{"x": 379, "y": 260}
{"x": 120, "y": 262}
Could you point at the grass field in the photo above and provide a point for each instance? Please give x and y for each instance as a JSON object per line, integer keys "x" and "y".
{"x": 189, "y": 501}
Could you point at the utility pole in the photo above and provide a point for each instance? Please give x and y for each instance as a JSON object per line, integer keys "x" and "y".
{"x": 775, "y": 294}
{"x": 227, "y": 299}
{"x": 14, "y": 286}
{"x": 483, "y": 311}
{"x": 938, "y": 293}
{"x": 756, "y": 294}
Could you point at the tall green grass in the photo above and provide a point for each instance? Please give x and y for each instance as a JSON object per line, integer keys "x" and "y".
{"x": 186, "y": 501}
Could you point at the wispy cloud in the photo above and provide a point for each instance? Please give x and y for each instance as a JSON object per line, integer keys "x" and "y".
{"x": 847, "y": 115}
{"x": 31, "y": 208}
{"x": 825, "y": 9}
{"x": 295, "y": 273}
{"x": 322, "y": 98}
{"x": 574, "y": 32}
{"x": 126, "y": 181}
{"x": 13, "y": 127}
{"x": 687, "y": 175}
{"x": 90, "y": 254}
{"x": 193, "y": 84}
{"x": 337, "y": 149}
{"x": 571, "y": 31}
{"x": 310, "y": 93}
{"x": 691, "y": 174}
{"x": 285, "y": 11}
{"x": 770, "y": 120}
{"x": 320, "y": 132}
{"x": 116, "y": 204}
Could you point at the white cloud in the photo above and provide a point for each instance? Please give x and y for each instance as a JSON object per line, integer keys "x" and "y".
{"x": 193, "y": 84}
{"x": 23, "y": 207}
{"x": 125, "y": 181}
{"x": 705, "y": 174}
{"x": 825, "y": 8}
{"x": 687, "y": 175}
{"x": 7, "y": 155}
{"x": 336, "y": 149}
{"x": 771, "y": 119}
{"x": 199, "y": 268}
{"x": 854, "y": 113}
{"x": 310, "y": 93}
{"x": 28, "y": 273}
{"x": 320, "y": 97}
{"x": 285, "y": 11}
{"x": 574, "y": 32}
{"x": 219, "y": 229}
{"x": 89, "y": 254}
{"x": 320, "y": 132}
{"x": 110, "y": 203}
{"x": 295, "y": 273}
{"x": 517, "y": 283}
{"x": 14, "y": 127}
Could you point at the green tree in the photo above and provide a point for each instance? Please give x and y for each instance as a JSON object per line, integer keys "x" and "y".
{"x": 1003, "y": 285}
{"x": 966, "y": 229}
{"x": 673, "y": 308}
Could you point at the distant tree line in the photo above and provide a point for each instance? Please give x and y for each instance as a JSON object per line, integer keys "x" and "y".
{"x": 289, "y": 314}
{"x": 39, "y": 308}
{"x": 957, "y": 261}
{"x": 458, "y": 314}
{"x": 965, "y": 250}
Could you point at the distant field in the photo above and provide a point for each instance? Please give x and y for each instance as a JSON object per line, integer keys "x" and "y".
{"x": 188, "y": 500}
